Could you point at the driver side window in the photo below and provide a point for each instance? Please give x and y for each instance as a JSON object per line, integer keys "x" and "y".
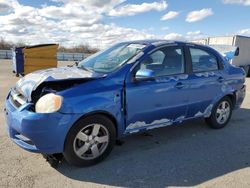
{"x": 165, "y": 61}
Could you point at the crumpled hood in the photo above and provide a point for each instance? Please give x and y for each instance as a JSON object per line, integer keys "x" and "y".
{"x": 30, "y": 82}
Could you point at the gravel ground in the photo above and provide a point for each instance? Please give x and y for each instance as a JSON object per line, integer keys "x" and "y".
{"x": 177, "y": 156}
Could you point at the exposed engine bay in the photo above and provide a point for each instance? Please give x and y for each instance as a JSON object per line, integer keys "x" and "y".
{"x": 55, "y": 86}
{"x": 18, "y": 98}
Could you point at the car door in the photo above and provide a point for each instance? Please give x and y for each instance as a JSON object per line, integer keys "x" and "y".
{"x": 205, "y": 81}
{"x": 160, "y": 101}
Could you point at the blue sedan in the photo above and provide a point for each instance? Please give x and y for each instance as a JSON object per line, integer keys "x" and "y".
{"x": 135, "y": 86}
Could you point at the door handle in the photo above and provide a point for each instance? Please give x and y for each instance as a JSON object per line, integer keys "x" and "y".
{"x": 220, "y": 79}
{"x": 179, "y": 85}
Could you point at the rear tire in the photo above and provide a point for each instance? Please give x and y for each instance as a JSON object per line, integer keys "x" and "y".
{"x": 89, "y": 141}
{"x": 221, "y": 114}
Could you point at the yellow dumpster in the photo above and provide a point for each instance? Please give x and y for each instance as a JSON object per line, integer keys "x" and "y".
{"x": 39, "y": 57}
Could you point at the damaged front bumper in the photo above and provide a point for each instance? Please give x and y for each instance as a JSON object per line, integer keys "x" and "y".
{"x": 36, "y": 132}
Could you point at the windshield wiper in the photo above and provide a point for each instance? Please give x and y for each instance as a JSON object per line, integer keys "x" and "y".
{"x": 84, "y": 68}
{"x": 75, "y": 64}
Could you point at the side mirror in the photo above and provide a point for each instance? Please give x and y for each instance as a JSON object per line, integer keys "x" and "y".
{"x": 144, "y": 75}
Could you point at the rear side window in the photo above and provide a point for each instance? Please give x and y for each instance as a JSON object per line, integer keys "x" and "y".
{"x": 203, "y": 61}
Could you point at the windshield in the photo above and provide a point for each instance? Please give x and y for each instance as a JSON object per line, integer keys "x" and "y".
{"x": 112, "y": 58}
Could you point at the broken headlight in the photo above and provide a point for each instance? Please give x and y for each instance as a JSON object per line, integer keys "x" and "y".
{"x": 48, "y": 103}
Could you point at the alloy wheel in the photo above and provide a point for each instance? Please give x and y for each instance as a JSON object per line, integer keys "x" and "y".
{"x": 223, "y": 112}
{"x": 91, "y": 141}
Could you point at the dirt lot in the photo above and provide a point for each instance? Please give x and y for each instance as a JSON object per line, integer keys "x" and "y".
{"x": 187, "y": 155}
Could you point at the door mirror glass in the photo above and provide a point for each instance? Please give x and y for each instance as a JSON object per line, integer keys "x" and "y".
{"x": 144, "y": 74}
{"x": 237, "y": 52}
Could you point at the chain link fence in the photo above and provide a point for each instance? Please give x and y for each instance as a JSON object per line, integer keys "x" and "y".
{"x": 61, "y": 56}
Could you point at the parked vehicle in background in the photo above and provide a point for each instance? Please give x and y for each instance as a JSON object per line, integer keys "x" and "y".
{"x": 131, "y": 87}
{"x": 243, "y": 42}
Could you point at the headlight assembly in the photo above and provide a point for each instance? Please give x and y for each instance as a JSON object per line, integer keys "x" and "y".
{"x": 48, "y": 103}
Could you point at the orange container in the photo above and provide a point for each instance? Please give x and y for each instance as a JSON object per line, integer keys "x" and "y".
{"x": 40, "y": 57}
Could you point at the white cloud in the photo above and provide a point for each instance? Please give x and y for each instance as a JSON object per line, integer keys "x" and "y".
{"x": 99, "y": 6}
{"x": 191, "y": 35}
{"x": 170, "y": 15}
{"x": 195, "y": 35}
{"x": 244, "y": 32}
{"x": 133, "y": 9}
{"x": 174, "y": 36}
{"x": 72, "y": 13}
{"x": 70, "y": 22}
{"x": 242, "y": 2}
{"x": 7, "y": 6}
{"x": 198, "y": 15}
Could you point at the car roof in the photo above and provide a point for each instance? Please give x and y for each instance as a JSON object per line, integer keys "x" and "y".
{"x": 159, "y": 42}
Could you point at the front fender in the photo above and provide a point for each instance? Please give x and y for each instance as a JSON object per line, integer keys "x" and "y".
{"x": 109, "y": 102}
{"x": 84, "y": 105}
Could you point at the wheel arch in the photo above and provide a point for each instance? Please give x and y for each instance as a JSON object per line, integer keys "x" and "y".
{"x": 99, "y": 112}
{"x": 69, "y": 152}
{"x": 232, "y": 96}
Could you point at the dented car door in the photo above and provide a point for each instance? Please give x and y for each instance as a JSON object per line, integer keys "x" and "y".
{"x": 162, "y": 100}
{"x": 205, "y": 81}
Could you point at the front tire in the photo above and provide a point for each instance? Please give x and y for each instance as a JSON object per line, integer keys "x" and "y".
{"x": 89, "y": 141}
{"x": 221, "y": 114}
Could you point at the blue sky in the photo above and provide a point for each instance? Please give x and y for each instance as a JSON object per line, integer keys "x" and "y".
{"x": 103, "y": 22}
{"x": 227, "y": 18}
